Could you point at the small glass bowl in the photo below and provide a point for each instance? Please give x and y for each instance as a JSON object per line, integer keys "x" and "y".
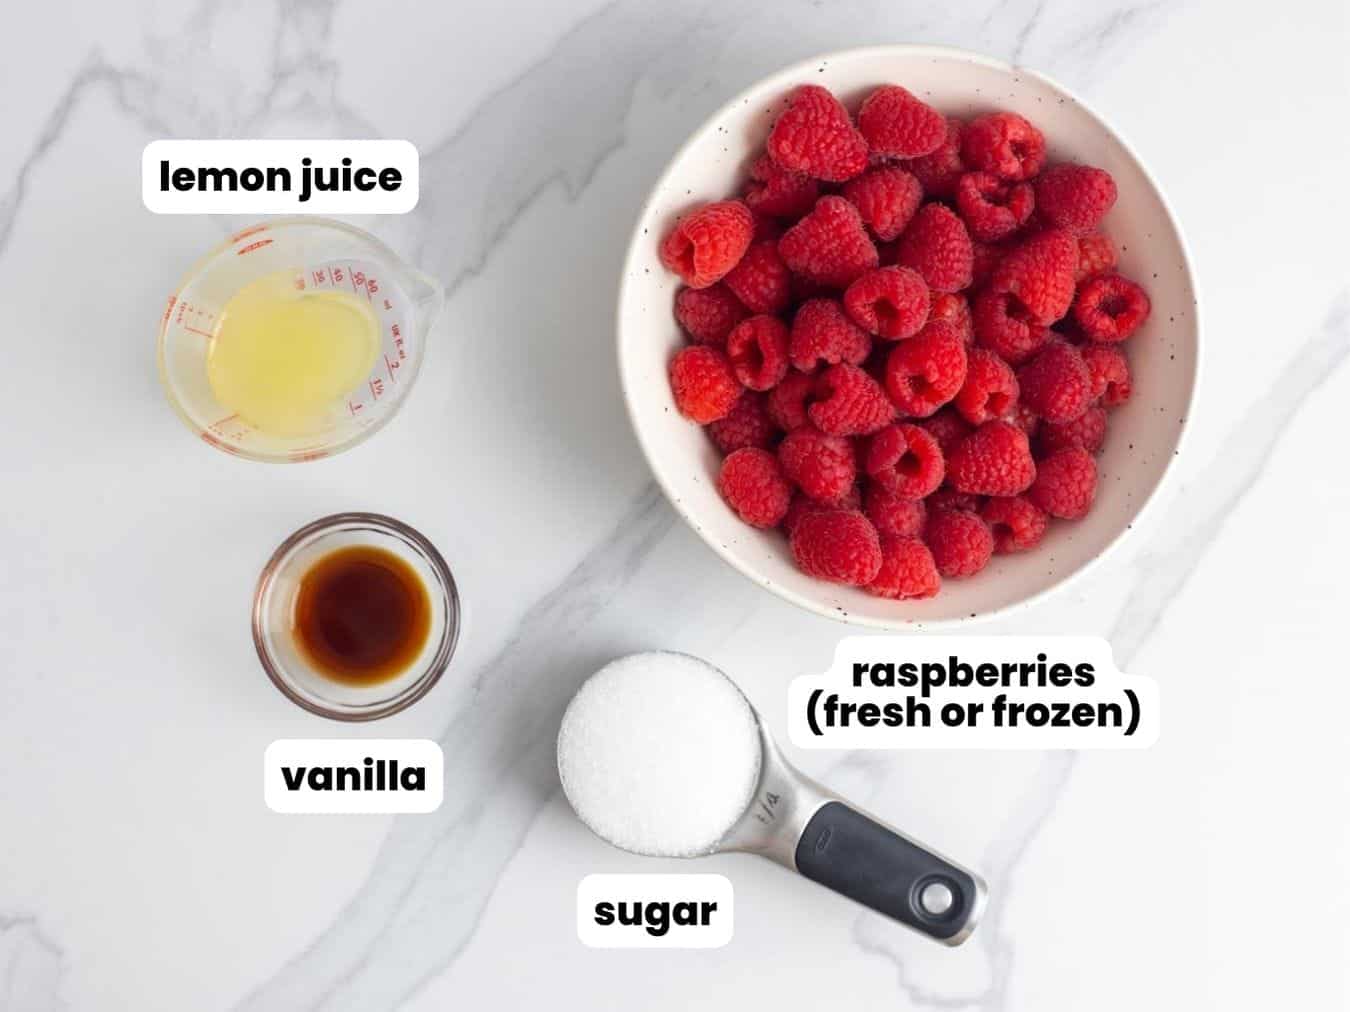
{"x": 273, "y": 617}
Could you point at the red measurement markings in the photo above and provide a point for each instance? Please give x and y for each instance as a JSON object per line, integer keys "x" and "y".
{"x": 168, "y": 310}
{"x": 376, "y": 387}
{"x": 397, "y": 335}
{"x": 355, "y": 407}
{"x": 311, "y": 454}
{"x": 217, "y": 424}
{"x": 392, "y": 366}
{"x": 252, "y": 246}
{"x": 219, "y": 444}
{"x": 254, "y": 230}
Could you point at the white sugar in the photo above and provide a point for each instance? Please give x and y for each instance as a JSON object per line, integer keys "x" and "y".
{"x": 659, "y": 754}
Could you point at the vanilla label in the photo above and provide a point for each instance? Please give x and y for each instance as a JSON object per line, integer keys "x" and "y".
{"x": 325, "y": 775}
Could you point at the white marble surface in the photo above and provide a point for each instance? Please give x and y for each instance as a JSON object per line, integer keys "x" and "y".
{"x": 139, "y": 868}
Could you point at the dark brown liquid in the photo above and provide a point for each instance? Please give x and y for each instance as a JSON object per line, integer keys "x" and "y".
{"x": 362, "y": 615}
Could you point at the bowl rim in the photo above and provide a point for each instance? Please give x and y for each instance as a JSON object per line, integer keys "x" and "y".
{"x": 900, "y": 624}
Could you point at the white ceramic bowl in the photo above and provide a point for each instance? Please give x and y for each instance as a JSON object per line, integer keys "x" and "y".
{"x": 1144, "y": 435}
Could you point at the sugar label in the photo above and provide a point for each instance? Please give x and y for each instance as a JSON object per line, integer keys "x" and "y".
{"x": 655, "y": 911}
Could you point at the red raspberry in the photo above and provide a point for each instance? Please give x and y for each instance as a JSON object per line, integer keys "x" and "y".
{"x": 1015, "y": 523}
{"x": 938, "y": 172}
{"x": 955, "y": 310}
{"x": 1056, "y": 384}
{"x": 960, "y": 542}
{"x": 821, "y": 466}
{"x": 995, "y": 459}
{"x": 752, "y": 483}
{"x": 993, "y": 208}
{"x": 848, "y": 402}
{"x": 767, "y": 228}
{"x": 761, "y": 280}
{"x": 990, "y": 390}
{"x": 822, "y": 333}
{"x": 830, "y": 245}
{"x": 1087, "y": 431}
{"x": 907, "y": 570}
{"x": 891, "y": 302}
{"x": 786, "y": 405}
{"x": 1066, "y": 482}
{"x": 814, "y": 136}
{"x": 898, "y": 125}
{"x": 1096, "y": 256}
{"x": 747, "y": 424}
{"x": 708, "y": 314}
{"x": 1005, "y": 144}
{"x": 1026, "y": 419}
{"x": 947, "y": 427}
{"x": 1074, "y": 197}
{"x": 886, "y": 198}
{"x": 707, "y": 243}
{"x": 1110, "y": 308}
{"x": 1001, "y": 326}
{"x": 927, "y": 371}
{"x": 776, "y": 192}
{"x": 1039, "y": 275}
{"x": 892, "y": 515}
{"x": 837, "y": 545}
{"x": 1110, "y": 372}
{"x": 937, "y": 245}
{"x": 704, "y": 386}
{"x": 905, "y": 460}
{"x": 986, "y": 258}
{"x": 757, "y": 348}
{"x": 803, "y": 504}
{"x": 947, "y": 498}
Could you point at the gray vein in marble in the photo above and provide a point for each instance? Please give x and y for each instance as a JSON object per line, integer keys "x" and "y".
{"x": 31, "y": 966}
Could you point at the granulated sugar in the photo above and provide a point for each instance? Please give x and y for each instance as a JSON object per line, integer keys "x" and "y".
{"x": 659, "y": 754}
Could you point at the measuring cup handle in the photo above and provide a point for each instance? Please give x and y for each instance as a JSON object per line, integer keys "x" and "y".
{"x": 852, "y": 854}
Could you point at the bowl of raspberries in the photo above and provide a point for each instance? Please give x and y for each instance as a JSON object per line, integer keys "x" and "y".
{"x": 908, "y": 335}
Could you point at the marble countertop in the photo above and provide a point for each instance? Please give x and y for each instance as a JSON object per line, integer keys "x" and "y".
{"x": 139, "y": 868}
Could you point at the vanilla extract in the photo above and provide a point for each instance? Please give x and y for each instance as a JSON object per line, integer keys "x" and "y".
{"x": 371, "y": 775}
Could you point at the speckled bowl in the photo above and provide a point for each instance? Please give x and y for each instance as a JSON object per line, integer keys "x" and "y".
{"x": 1144, "y": 436}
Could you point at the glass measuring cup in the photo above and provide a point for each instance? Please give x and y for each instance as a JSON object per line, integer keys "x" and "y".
{"x": 321, "y": 254}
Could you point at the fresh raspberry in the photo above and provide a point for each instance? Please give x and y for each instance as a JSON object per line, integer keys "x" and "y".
{"x": 848, "y": 402}
{"x": 990, "y": 390}
{"x": 1001, "y": 326}
{"x": 1110, "y": 372}
{"x": 1026, "y": 419}
{"x": 837, "y": 545}
{"x": 1096, "y": 255}
{"x": 995, "y": 459}
{"x": 803, "y": 504}
{"x": 761, "y": 280}
{"x": 898, "y": 125}
{"x": 703, "y": 383}
{"x": 954, "y": 309}
{"x": 1005, "y": 144}
{"x": 1056, "y": 384}
{"x": 821, "y": 466}
{"x": 1087, "y": 431}
{"x": 947, "y": 498}
{"x": 777, "y": 192}
{"x": 1074, "y": 197}
{"x": 891, "y": 302}
{"x": 747, "y": 424}
{"x": 947, "y": 427}
{"x": 907, "y": 571}
{"x": 937, "y": 245}
{"x": 1015, "y": 523}
{"x": 757, "y": 348}
{"x": 786, "y": 405}
{"x": 927, "y": 371}
{"x": 822, "y": 333}
{"x": 767, "y": 228}
{"x": 1066, "y": 482}
{"x": 752, "y": 483}
{"x": 893, "y": 515}
{"x": 993, "y": 208}
{"x": 1110, "y": 308}
{"x": 960, "y": 542}
{"x": 905, "y": 460}
{"x": 938, "y": 172}
{"x": 886, "y": 198}
{"x": 985, "y": 258}
{"x": 708, "y": 314}
{"x": 830, "y": 245}
{"x": 1038, "y": 274}
{"x": 707, "y": 243}
{"x": 814, "y": 136}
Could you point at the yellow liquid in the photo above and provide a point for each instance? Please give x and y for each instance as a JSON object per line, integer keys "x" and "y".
{"x": 286, "y": 359}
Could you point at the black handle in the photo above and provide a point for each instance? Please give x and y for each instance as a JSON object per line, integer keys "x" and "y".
{"x": 845, "y": 850}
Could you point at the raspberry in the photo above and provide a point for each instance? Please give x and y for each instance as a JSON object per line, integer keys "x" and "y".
{"x": 1110, "y": 372}
{"x": 1066, "y": 482}
{"x": 937, "y": 245}
{"x": 1074, "y": 197}
{"x": 891, "y": 302}
{"x": 1026, "y": 419}
{"x": 830, "y": 245}
{"x": 947, "y": 427}
{"x": 907, "y": 571}
{"x": 822, "y": 333}
{"x": 814, "y": 136}
{"x": 777, "y": 192}
{"x": 898, "y": 125}
{"x": 927, "y": 371}
{"x": 704, "y": 386}
{"x": 837, "y": 545}
{"x": 767, "y": 228}
{"x": 960, "y": 542}
{"x": 938, "y": 172}
{"x": 747, "y": 424}
{"x": 993, "y": 208}
{"x": 1096, "y": 256}
{"x": 955, "y": 310}
{"x": 1056, "y": 384}
{"x": 761, "y": 280}
{"x": 1110, "y": 308}
{"x": 886, "y": 198}
{"x": 757, "y": 348}
{"x": 995, "y": 459}
{"x": 786, "y": 406}
{"x": 821, "y": 466}
{"x": 905, "y": 460}
{"x": 848, "y": 402}
{"x": 707, "y": 243}
{"x": 752, "y": 483}
{"x": 892, "y": 515}
{"x": 1038, "y": 274}
{"x": 990, "y": 390}
{"x": 1015, "y": 523}
{"x": 708, "y": 314}
{"x": 1001, "y": 326}
{"x": 986, "y": 257}
{"x": 947, "y": 498}
{"x": 804, "y": 504}
{"x": 1005, "y": 144}
{"x": 1087, "y": 431}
